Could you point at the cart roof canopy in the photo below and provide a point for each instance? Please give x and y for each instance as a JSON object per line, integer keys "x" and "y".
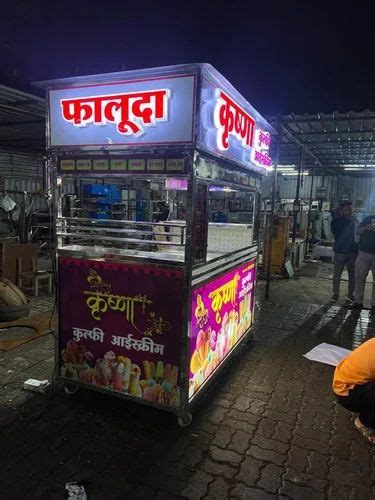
{"x": 174, "y": 107}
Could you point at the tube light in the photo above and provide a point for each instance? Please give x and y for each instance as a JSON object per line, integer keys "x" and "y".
{"x": 360, "y": 169}
{"x": 294, "y": 173}
{"x": 284, "y": 167}
{"x": 355, "y": 165}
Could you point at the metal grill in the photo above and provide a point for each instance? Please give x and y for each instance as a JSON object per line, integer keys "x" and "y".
{"x": 119, "y": 233}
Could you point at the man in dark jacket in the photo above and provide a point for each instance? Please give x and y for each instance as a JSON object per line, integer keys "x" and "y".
{"x": 344, "y": 248}
{"x": 365, "y": 262}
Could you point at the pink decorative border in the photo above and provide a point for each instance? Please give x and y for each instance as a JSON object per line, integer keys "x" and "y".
{"x": 145, "y": 269}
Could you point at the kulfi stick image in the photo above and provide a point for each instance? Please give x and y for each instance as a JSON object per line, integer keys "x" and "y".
{"x": 159, "y": 371}
{"x": 118, "y": 376}
{"x": 135, "y": 388}
{"x": 126, "y": 376}
{"x": 147, "y": 370}
{"x": 167, "y": 372}
{"x": 174, "y": 376}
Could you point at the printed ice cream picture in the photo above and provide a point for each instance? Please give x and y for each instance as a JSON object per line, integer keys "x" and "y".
{"x": 151, "y": 381}
{"x": 120, "y": 328}
{"x": 222, "y": 312}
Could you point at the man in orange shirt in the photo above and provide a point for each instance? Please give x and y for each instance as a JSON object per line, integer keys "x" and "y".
{"x": 354, "y": 386}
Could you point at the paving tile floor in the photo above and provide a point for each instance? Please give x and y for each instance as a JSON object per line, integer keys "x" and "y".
{"x": 270, "y": 428}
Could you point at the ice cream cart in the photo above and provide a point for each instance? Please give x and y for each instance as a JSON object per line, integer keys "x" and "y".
{"x": 157, "y": 178}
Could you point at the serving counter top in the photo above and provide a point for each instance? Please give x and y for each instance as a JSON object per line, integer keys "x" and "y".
{"x": 103, "y": 253}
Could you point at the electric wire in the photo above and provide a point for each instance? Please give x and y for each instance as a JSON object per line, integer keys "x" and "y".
{"x": 50, "y": 201}
{"x": 54, "y": 266}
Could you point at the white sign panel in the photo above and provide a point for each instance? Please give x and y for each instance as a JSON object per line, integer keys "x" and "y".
{"x": 135, "y": 113}
{"x": 233, "y": 130}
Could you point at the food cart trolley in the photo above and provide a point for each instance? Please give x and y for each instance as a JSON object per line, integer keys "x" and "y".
{"x": 157, "y": 179}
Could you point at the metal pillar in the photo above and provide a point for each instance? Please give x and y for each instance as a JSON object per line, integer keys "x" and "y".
{"x": 296, "y": 204}
{"x": 272, "y": 219}
{"x": 309, "y": 215}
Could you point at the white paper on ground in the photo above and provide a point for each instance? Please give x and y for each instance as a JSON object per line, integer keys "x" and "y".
{"x": 327, "y": 353}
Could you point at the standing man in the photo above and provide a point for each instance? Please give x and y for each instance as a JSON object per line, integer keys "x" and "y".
{"x": 365, "y": 262}
{"x": 345, "y": 249}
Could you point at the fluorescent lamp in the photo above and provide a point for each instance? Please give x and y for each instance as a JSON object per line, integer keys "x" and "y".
{"x": 360, "y": 169}
{"x": 294, "y": 173}
{"x": 284, "y": 167}
{"x": 362, "y": 165}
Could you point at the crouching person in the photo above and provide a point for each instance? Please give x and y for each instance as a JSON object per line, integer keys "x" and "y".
{"x": 354, "y": 386}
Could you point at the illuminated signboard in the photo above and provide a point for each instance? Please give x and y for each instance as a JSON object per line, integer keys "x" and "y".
{"x": 222, "y": 312}
{"x": 135, "y": 112}
{"x": 231, "y": 129}
{"x": 187, "y": 105}
{"x": 136, "y": 352}
{"x": 260, "y": 152}
{"x": 230, "y": 118}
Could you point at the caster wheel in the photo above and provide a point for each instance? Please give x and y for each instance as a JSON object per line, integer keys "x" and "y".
{"x": 70, "y": 389}
{"x": 185, "y": 421}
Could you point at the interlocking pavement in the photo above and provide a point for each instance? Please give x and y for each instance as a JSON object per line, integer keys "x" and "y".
{"x": 270, "y": 428}
{"x": 41, "y": 304}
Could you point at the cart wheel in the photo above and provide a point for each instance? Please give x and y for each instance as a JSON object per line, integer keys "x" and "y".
{"x": 70, "y": 389}
{"x": 185, "y": 421}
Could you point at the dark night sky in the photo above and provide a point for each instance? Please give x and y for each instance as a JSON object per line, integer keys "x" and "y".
{"x": 282, "y": 56}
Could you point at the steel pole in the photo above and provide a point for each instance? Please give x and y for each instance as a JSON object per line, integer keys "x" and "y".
{"x": 309, "y": 216}
{"x": 296, "y": 201}
{"x": 272, "y": 218}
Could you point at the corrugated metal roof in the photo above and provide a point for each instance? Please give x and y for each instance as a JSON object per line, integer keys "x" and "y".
{"x": 335, "y": 140}
{"x": 22, "y": 120}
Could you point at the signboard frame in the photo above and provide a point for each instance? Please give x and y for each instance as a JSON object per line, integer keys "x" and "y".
{"x": 241, "y": 152}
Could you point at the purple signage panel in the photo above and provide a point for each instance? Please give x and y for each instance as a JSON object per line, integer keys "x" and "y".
{"x": 128, "y": 113}
{"x": 120, "y": 327}
{"x": 222, "y": 312}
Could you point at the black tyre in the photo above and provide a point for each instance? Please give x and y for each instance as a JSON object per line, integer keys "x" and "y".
{"x": 11, "y": 313}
